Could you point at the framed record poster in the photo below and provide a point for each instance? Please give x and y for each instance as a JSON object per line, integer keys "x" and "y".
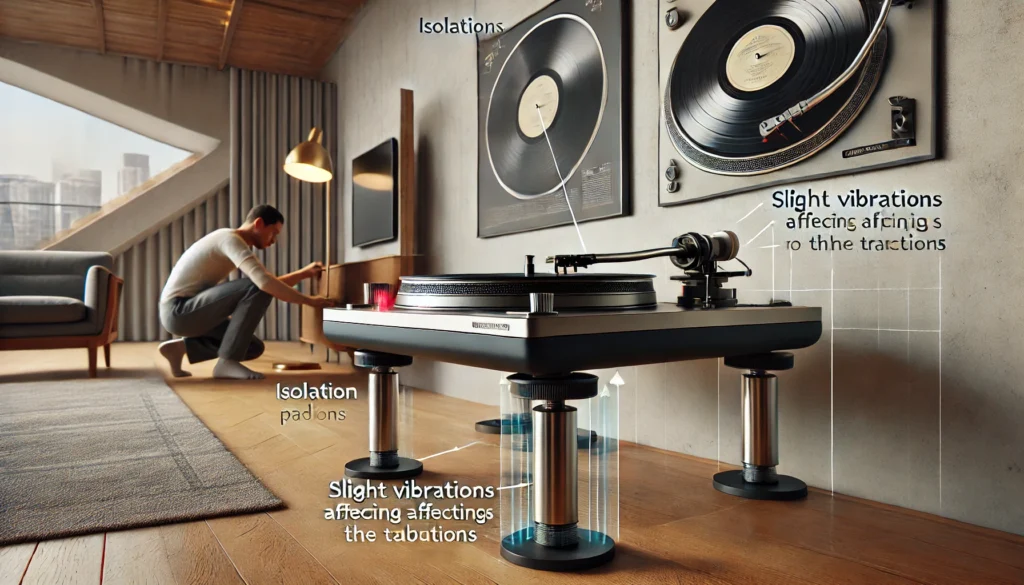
{"x": 758, "y": 93}
{"x": 551, "y": 120}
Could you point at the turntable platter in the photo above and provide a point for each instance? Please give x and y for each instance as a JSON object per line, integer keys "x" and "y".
{"x": 511, "y": 292}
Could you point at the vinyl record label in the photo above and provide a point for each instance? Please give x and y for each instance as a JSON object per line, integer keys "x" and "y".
{"x": 760, "y": 58}
{"x": 542, "y": 95}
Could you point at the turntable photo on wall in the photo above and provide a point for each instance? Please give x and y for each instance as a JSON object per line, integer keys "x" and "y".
{"x": 551, "y": 119}
{"x": 757, "y": 93}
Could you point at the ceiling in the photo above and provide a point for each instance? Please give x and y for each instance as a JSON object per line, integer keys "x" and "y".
{"x": 296, "y": 37}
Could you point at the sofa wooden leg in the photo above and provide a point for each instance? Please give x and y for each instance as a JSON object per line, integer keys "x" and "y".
{"x": 106, "y": 355}
{"x": 92, "y": 362}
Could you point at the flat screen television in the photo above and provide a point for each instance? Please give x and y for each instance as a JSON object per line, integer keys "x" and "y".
{"x": 375, "y": 195}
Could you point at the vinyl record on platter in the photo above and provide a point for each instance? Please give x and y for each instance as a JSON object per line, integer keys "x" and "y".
{"x": 555, "y": 76}
{"x": 746, "y": 61}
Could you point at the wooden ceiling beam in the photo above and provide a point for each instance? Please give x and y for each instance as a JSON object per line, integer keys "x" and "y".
{"x": 229, "y": 32}
{"x": 100, "y": 26}
{"x": 317, "y": 8}
{"x": 161, "y": 28}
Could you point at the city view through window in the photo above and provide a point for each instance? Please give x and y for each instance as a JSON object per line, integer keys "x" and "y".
{"x": 59, "y": 165}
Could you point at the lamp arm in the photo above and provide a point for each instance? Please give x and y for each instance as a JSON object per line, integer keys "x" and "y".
{"x": 327, "y": 265}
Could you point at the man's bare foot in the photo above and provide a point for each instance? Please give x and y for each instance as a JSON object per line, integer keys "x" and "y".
{"x": 173, "y": 351}
{"x": 233, "y": 370}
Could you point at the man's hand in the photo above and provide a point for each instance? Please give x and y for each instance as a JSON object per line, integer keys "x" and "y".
{"x": 319, "y": 302}
{"x": 313, "y": 270}
{"x": 293, "y": 278}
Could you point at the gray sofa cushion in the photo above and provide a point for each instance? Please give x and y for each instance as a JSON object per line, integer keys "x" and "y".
{"x": 84, "y": 328}
{"x": 59, "y": 274}
{"x": 40, "y": 309}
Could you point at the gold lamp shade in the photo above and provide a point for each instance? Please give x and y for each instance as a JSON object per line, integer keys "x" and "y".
{"x": 310, "y": 161}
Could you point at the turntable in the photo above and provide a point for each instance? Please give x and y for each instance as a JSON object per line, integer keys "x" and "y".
{"x": 549, "y": 327}
{"x": 766, "y": 92}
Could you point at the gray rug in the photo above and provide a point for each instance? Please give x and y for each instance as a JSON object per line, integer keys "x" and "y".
{"x": 85, "y": 456}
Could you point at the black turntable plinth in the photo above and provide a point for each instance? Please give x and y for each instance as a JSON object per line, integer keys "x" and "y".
{"x": 573, "y": 340}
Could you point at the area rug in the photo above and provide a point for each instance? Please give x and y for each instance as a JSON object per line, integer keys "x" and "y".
{"x": 86, "y": 456}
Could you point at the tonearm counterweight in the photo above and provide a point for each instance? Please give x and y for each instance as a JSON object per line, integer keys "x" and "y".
{"x": 696, "y": 254}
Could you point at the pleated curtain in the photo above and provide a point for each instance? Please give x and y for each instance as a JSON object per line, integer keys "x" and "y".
{"x": 146, "y": 265}
{"x": 270, "y": 114}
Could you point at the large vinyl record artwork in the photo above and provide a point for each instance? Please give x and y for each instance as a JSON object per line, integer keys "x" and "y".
{"x": 759, "y": 93}
{"x": 551, "y": 119}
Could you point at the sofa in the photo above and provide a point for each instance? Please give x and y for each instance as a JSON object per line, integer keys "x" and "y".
{"x": 51, "y": 300}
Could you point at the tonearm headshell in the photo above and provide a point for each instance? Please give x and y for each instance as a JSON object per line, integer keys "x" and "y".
{"x": 696, "y": 254}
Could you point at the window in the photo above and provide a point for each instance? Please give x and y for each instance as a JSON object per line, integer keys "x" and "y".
{"x": 59, "y": 165}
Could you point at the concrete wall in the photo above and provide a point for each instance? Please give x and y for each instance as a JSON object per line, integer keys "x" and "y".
{"x": 184, "y": 106}
{"x": 912, "y": 396}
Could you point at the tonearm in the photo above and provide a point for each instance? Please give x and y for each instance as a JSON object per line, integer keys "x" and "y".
{"x": 696, "y": 254}
{"x": 772, "y": 124}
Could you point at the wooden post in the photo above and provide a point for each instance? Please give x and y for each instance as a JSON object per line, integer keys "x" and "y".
{"x": 407, "y": 220}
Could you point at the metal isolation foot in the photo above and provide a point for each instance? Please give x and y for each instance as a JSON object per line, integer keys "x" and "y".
{"x": 555, "y": 542}
{"x": 758, "y": 479}
{"x": 383, "y": 462}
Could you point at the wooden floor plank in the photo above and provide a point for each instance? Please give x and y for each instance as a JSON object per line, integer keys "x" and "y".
{"x": 805, "y": 526}
{"x": 182, "y": 554}
{"x": 68, "y": 561}
{"x": 955, "y": 537}
{"x": 264, "y": 553}
{"x": 14, "y": 561}
{"x": 136, "y": 557}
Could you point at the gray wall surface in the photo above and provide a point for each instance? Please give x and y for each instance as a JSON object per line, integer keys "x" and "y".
{"x": 913, "y": 395}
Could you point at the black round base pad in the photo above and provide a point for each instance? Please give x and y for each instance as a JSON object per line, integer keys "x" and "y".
{"x": 491, "y": 426}
{"x": 732, "y": 483}
{"x": 593, "y": 550}
{"x": 361, "y": 469}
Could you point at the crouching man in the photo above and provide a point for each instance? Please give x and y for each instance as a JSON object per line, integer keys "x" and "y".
{"x": 214, "y": 318}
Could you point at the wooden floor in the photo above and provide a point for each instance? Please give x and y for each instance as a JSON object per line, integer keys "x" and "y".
{"x": 675, "y": 527}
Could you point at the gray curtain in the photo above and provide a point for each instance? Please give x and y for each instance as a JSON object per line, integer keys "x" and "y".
{"x": 146, "y": 264}
{"x": 269, "y": 114}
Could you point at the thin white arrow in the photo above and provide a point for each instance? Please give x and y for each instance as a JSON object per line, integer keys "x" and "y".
{"x": 451, "y": 450}
{"x": 751, "y": 212}
{"x": 770, "y": 224}
{"x": 518, "y": 485}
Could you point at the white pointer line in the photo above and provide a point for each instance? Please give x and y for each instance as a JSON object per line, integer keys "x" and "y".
{"x": 770, "y": 224}
{"x": 450, "y": 450}
{"x": 518, "y": 485}
{"x": 554, "y": 159}
{"x": 751, "y": 212}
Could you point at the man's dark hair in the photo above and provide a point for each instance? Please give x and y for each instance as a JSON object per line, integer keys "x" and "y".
{"x": 268, "y": 213}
